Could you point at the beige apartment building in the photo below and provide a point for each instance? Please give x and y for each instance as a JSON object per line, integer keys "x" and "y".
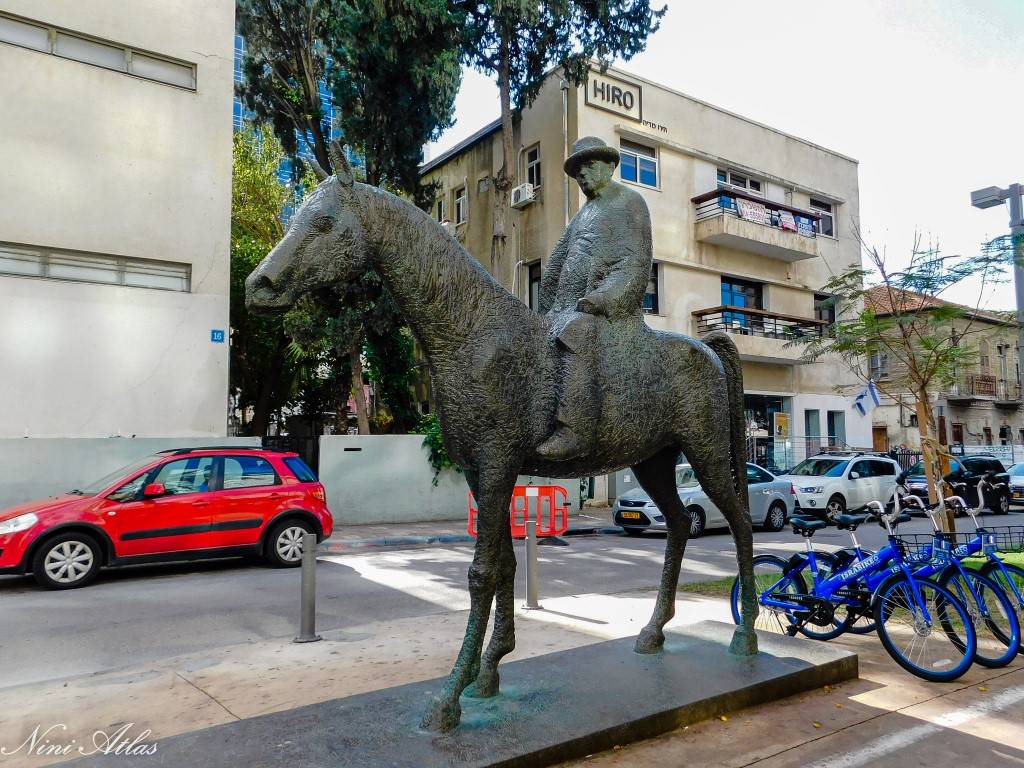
{"x": 749, "y": 224}
{"x": 980, "y": 407}
{"x": 115, "y": 210}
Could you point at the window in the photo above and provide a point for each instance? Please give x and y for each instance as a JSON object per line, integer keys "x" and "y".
{"x": 878, "y": 364}
{"x": 651, "y": 293}
{"x": 115, "y": 56}
{"x": 882, "y": 469}
{"x": 741, "y": 180}
{"x": 825, "y": 308}
{"x": 248, "y": 472}
{"x": 31, "y": 261}
{"x": 533, "y": 166}
{"x": 826, "y": 224}
{"x": 862, "y": 468}
{"x": 460, "y": 205}
{"x": 638, "y": 163}
{"x": 533, "y": 285}
{"x": 186, "y": 475}
{"x": 758, "y": 475}
{"x": 958, "y": 433}
{"x": 988, "y": 435}
{"x": 130, "y": 490}
{"x": 440, "y": 210}
{"x": 740, "y": 293}
{"x": 300, "y": 469}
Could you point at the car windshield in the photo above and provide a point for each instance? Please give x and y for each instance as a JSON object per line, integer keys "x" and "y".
{"x": 685, "y": 476}
{"x": 819, "y": 468}
{"x": 918, "y": 469}
{"x": 124, "y": 472}
{"x": 1017, "y": 470}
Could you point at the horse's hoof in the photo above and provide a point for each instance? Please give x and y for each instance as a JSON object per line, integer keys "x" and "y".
{"x": 442, "y": 716}
{"x": 649, "y": 640}
{"x": 485, "y": 687}
{"x": 744, "y": 642}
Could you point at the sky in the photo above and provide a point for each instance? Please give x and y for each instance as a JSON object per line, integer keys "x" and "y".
{"x": 928, "y": 95}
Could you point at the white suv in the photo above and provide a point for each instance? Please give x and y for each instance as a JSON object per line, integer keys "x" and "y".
{"x": 840, "y": 480}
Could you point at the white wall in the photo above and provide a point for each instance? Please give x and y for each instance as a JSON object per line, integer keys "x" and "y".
{"x": 37, "y": 468}
{"x": 388, "y": 479}
{"x": 99, "y": 161}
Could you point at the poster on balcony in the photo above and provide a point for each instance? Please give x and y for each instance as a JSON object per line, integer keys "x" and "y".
{"x": 805, "y": 226}
{"x": 786, "y": 221}
{"x": 752, "y": 211}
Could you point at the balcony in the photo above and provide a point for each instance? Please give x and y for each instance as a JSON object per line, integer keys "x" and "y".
{"x": 750, "y": 223}
{"x": 761, "y": 336}
{"x": 978, "y": 387}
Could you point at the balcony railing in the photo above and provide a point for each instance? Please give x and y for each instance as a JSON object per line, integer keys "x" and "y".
{"x": 725, "y": 201}
{"x": 979, "y": 385}
{"x": 1008, "y": 391}
{"x": 747, "y": 321}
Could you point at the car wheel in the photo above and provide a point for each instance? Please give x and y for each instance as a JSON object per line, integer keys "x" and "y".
{"x": 67, "y": 561}
{"x": 633, "y": 531}
{"x": 836, "y": 506}
{"x": 697, "y": 521}
{"x": 284, "y": 544}
{"x": 1003, "y": 505}
{"x": 776, "y": 517}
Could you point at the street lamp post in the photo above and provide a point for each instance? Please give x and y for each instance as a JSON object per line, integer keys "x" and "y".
{"x": 992, "y": 196}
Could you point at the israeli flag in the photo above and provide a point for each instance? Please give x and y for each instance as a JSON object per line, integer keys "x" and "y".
{"x": 867, "y": 400}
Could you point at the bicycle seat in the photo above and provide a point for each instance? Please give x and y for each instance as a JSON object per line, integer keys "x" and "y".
{"x": 849, "y": 522}
{"x": 805, "y": 526}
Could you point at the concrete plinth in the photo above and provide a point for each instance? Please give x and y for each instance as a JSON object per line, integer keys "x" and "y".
{"x": 551, "y": 708}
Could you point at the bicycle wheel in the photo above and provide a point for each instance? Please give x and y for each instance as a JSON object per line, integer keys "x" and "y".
{"x": 925, "y": 649}
{"x": 770, "y": 570}
{"x": 1012, "y": 583}
{"x": 992, "y": 615}
{"x": 826, "y": 627}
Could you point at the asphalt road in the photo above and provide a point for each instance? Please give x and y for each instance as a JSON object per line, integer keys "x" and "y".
{"x": 146, "y": 613}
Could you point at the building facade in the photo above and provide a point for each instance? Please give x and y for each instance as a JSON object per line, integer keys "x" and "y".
{"x": 115, "y": 217}
{"x": 981, "y": 406}
{"x": 749, "y": 223}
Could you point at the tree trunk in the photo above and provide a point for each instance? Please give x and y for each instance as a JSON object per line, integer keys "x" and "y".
{"x": 269, "y": 385}
{"x": 359, "y": 393}
{"x": 503, "y": 179}
{"x": 932, "y": 461}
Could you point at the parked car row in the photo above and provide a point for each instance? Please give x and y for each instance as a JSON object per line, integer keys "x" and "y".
{"x": 176, "y": 505}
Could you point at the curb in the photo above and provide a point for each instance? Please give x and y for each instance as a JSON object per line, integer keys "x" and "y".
{"x": 346, "y": 545}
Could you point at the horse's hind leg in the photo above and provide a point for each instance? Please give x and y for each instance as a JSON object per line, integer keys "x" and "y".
{"x": 503, "y": 636}
{"x": 657, "y": 476}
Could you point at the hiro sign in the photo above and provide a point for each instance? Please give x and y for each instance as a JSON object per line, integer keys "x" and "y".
{"x": 615, "y": 95}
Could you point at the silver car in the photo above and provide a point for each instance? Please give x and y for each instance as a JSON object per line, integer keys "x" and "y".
{"x": 1016, "y": 473}
{"x": 771, "y": 504}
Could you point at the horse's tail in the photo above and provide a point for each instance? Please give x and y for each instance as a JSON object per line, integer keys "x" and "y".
{"x": 724, "y": 347}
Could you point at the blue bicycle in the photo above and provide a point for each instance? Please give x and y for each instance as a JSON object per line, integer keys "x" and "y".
{"x": 924, "y": 627}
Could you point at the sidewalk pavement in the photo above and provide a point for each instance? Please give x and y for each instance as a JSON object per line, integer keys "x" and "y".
{"x": 353, "y": 538}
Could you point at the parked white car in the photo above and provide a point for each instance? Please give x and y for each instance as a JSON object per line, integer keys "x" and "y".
{"x": 771, "y": 504}
{"x": 840, "y": 480}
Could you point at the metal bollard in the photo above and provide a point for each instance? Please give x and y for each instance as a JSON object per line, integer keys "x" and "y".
{"x": 532, "y": 567}
{"x": 307, "y": 622}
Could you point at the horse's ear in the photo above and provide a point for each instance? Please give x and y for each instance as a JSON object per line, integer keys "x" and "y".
{"x": 342, "y": 170}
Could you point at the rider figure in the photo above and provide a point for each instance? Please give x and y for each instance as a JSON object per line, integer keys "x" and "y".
{"x": 598, "y": 272}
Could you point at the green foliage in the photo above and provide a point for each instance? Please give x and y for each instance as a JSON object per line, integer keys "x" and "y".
{"x": 526, "y": 39}
{"x": 260, "y": 372}
{"x": 437, "y": 454}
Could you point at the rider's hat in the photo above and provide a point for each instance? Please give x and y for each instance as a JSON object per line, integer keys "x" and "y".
{"x": 590, "y": 148}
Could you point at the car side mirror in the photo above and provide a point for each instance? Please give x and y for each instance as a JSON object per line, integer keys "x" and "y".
{"x": 154, "y": 489}
{"x": 855, "y": 475}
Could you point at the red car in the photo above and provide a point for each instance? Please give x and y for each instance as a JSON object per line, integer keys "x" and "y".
{"x": 182, "y": 504}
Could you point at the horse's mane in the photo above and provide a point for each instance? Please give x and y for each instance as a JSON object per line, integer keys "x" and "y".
{"x": 439, "y": 286}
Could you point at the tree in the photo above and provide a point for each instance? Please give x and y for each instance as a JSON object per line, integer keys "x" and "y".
{"x": 260, "y": 370}
{"x": 882, "y": 310}
{"x": 394, "y": 76}
{"x": 517, "y": 43}
{"x": 285, "y": 62}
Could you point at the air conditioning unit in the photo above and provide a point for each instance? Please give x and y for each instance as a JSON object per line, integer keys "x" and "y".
{"x": 522, "y": 195}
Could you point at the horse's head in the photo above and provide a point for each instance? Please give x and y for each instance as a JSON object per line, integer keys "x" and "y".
{"x": 324, "y": 244}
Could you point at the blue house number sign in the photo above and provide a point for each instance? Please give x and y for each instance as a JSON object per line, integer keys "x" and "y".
{"x": 217, "y": 336}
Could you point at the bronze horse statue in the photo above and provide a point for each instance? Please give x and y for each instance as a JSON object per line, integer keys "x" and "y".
{"x": 493, "y": 373}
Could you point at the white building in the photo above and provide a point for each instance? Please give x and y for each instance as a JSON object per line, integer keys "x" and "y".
{"x": 115, "y": 217}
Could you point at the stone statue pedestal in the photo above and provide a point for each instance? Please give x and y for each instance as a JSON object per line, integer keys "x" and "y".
{"x": 551, "y": 708}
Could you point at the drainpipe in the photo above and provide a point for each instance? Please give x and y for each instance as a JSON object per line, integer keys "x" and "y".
{"x": 565, "y": 144}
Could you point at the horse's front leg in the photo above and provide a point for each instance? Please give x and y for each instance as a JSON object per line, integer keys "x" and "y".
{"x": 503, "y": 638}
{"x": 493, "y": 491}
